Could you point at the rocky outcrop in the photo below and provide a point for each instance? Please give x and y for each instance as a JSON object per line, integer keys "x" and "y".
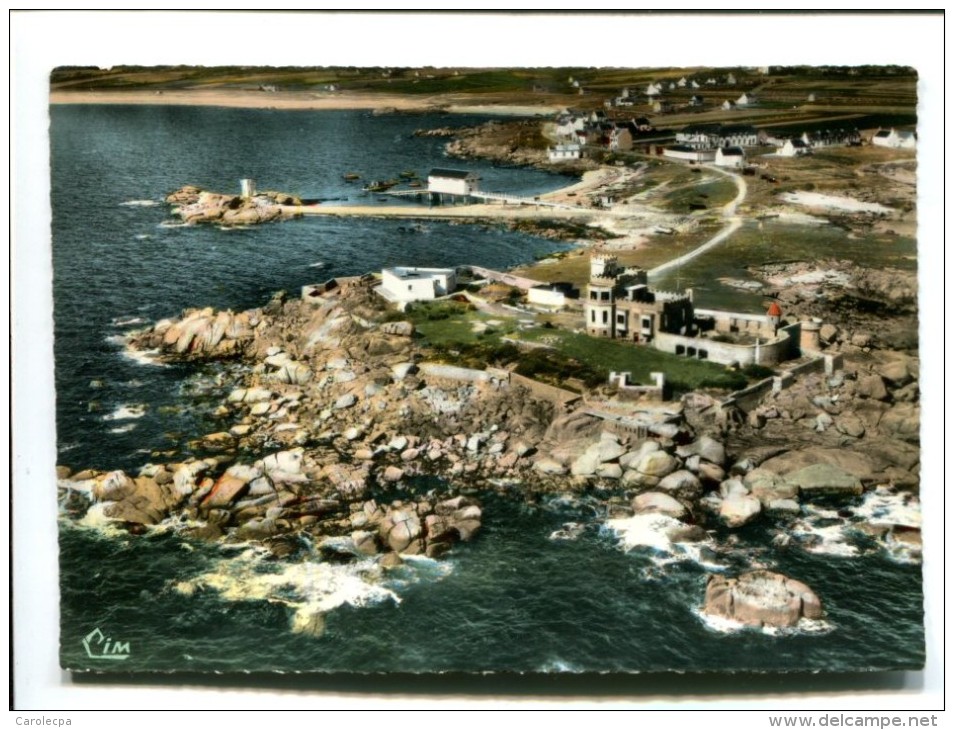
{"x": 761, "y": 599}
{"x": 194, "y": 205}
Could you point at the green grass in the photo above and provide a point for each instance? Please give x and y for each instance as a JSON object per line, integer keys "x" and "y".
{"x": 604, "y": 355}
{"x": 713, "y": 194}
{"x": 447, "y": 327}
{"x": 451, "y": 324}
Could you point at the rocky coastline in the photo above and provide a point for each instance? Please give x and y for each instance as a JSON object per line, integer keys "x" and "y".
{"x": 376, "y": 450}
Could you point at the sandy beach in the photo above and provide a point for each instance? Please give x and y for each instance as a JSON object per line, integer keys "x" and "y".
{"x": 255, "y": 99}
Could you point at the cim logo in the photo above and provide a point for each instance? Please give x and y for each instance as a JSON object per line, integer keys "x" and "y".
{"x": 100, "y": 646}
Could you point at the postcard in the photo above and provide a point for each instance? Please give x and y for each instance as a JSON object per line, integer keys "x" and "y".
{"x": 455, "y": 369}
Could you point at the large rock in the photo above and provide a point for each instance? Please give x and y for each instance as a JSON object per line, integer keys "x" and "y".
{"x": 400, "y": 329}
{"x": 739, "y": 509}
{"x": 761, "y": 598}
{"x": 871, "y": 386}
{"x": 550, "y": 466}
{"x": 346, "y": 401}
{"x": 226, "y": 491}
{"x": 587, "y": 463}
{"x": 681, "y": 484}
{"x": 609, "y": 448}
{"x": 661, "y": 503}
{"x": 706, "y": 448}
{"x": 657, "y": 464}
{"x": 768, "y": 487}
{"x": 824, "y": 479}
{"x": 400, "y": 529}
{"x": 861, "y": 464}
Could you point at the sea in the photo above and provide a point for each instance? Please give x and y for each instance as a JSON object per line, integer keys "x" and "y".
{"x": 549, "y": 585}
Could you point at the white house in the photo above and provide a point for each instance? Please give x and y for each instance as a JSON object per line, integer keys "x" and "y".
{"x": 796, "y": 147}
{"x": 452, "y": 182}
{"x": 402, "y": 284}
{"x": 727, "y": 105}
{"x": 895, "y": 139}
{"x": 564, "y": 152}
{"x": 547, "y": 295}
{"x": 569, "y": 125}
{"x": 730, "y": 157}
{"x": 682, "y": 82}
{"x": 745, "y": 100}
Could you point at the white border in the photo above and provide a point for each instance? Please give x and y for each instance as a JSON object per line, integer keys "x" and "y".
{"x": 43, "y": 40}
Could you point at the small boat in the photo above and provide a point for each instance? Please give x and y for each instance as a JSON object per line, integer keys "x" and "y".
{"x": 414, "y": 184}
{"x": 378, "y": 186}
{"x": 351, "y": 176}
{"x": 408, "y": 174}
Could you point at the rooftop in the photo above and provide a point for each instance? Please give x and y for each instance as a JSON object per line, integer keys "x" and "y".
{"x": 454, "y": 174}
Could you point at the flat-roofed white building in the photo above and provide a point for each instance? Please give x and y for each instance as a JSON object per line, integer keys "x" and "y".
{"x": 401, "y": 284}
{"x": 564, "y": 152}
{"x": 452, "y": 182}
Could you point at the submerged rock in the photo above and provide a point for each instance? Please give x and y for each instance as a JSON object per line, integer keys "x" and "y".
{"x": 761, "y": 598}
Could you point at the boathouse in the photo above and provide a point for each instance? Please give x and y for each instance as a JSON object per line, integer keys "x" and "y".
{"x": 452, "y": 182}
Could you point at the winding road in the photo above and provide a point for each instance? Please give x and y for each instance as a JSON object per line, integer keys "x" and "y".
{"x": 729, "y": 213}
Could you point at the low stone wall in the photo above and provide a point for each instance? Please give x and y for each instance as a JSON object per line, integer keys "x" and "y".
{"x": 454, "y": 373}
{"x": 558, "y": 396}
{"x": 768, "y": 353}
{"x": 629, "y": 391}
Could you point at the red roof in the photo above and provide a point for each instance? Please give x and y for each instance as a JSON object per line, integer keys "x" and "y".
{"x": 774, "y": 310}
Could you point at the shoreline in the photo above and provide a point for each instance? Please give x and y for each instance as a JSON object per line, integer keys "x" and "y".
{"x": 300, "y": 100}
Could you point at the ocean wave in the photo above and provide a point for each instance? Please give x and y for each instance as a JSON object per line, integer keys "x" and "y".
{"x": 96, "y": 519}
{"x": 652, "y": 530}
{"x": 173, "y": 224}
{"x": 309, "y": 589}
{"x": 804, "y": 627}
{"x": 142, "y": 357}
{"x": 885, "y": 506}
{"x": 569, "y": 531}
{"x": 142, "y": 236}
{"x": 123, "y": 429}
{"x": 140, "y": 203}
{"x": 557, "y": 665}
{"x": 127, "y": 321}
{"x": 126, "y": 412}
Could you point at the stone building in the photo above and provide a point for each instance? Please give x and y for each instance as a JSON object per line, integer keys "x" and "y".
{"x": 620, "y": 304}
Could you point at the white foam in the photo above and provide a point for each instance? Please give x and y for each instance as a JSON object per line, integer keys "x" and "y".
{"x": 126, "y": 412}
{"x": 723, "y": 625}
{"x": 142, "y": 236}
{"x": 96, "y": 519}
{"x": 140, "y": 203}
{"x": 127, "y": 322}
{"x": 830, "y": 540}
{"x": 310, "y": 589}
{"x": 570, "y": 531}
{"x": 884, "y": 506}
{"x": 173, "y": 224}
{"x": 650, "y": 530}
{"x": 143, "y": 357}
{"x": 123, "y": 429}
